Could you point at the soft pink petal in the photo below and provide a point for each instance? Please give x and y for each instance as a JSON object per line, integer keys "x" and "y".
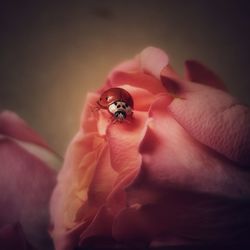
{"x": 197, "y": 72}
{"x": 21, "y": 172}
{"x": 179, "y": 161}
{"x": 12, "y": 125}
{"x": 197, "y": 194}
{"x": 153, "y": 60}
{"x": 213, "y": 117}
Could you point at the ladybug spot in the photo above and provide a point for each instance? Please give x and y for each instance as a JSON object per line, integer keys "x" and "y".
{"x": 115, "y": 103}
{"x": 107, "y": 97}
{"x": 124, "y": 106}
{"x": 119, "y": 106}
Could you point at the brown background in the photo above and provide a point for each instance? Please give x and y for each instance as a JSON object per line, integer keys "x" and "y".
{"x": 52, "y": 53}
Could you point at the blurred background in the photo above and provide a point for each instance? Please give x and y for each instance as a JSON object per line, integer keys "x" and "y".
{"x": 53, "y": 52}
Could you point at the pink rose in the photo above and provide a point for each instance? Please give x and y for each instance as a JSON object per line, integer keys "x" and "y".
{"x": 176, "y": 174}
{"x": 28, "y": 170}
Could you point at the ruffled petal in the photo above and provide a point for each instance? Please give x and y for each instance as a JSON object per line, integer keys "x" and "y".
{"x": 184, "y": 190}
{"x": 101, "y": 226}
{"x": 213, "y": 117}
{"x": 71, "y": 193}
{"x": 179, "y": 161}
{"x": 123, "y": 139}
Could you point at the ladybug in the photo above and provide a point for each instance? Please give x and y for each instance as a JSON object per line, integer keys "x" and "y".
{"x": 118, "y": 102}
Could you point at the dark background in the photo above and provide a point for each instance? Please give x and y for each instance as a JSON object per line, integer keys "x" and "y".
{"x": 53, "y": 52}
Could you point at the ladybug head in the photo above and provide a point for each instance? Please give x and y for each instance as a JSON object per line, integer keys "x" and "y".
{"x": 120, "y": 110}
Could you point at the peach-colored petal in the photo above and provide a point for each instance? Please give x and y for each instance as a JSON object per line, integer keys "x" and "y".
{"x": 100, "y": 187}
{"x": 90, "y": 115}
{"x": 117, "y": 198}
{"x": 71, "y": 187}
{"x": 197, "y": 72}
{"x": 123, "y": 140}
{"x": 102, "y": 224}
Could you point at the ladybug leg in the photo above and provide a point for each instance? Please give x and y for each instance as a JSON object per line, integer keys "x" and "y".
{"x": 113, "y": 120}
{"x": 94, "y": 108}
{"x": 129, "y": 119}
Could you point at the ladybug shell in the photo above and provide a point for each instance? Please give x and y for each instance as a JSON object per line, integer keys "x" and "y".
{"x": 115, "y": 94}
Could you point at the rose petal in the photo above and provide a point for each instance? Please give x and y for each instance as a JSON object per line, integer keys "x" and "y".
{"x": 150, "y": 61}
{"x": 20, "y": 173}
{"x": 153, "y": 60}
{"x": 80, "y": 161}
{"x": 99, "y": 187}
{"x": 136, "y": 79}
{"x": 194, "y": 190}
{"x": 101, "y": 225}
{"x": 213, "y": 117}
{"x": 132, "y": 65}
{"x": 92, "y": 118}
{"x": 123, "y": 140}
{"x": 15, "y": 129}
{"x": 13, "y": 126}
{"x": 181, "y": 162}
{"x": 197, "y": 72}
{"x": 217, "y": 120}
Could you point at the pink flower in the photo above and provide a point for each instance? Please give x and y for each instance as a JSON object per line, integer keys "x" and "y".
{"x": 28, "y": 171}
{"x": 176, "y": 174}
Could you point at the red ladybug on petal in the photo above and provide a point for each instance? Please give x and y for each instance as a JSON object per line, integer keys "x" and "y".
{"x": 118, "y": 102}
